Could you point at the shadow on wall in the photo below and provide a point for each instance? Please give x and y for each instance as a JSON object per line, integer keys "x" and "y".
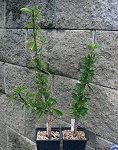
{"x": 14, "y": 7}
{"x": 15, "y": 19}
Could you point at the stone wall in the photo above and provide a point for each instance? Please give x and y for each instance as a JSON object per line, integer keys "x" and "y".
{"x": 68, "y": 27}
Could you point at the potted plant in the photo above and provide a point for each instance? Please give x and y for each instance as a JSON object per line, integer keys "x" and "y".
{"x": 77, "y": 138}
{"x": 40, "y": 101}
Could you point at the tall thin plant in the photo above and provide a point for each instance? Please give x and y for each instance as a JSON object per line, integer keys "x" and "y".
{"x": 40, "y": 100}
{"x": 81, "y": 92}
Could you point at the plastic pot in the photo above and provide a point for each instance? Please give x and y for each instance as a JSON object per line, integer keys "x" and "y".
{"x": 48, "y": 144}
{"x": 75, "y": 144}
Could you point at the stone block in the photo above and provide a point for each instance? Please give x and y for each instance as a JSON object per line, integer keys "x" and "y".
{"x": 32, "y": 123}
{"x": 15, "y": 117}
{"x": 63, "y": 50}
{"x": 107, "y": 64}
{"x": 58, "y": 122}
{"x": 2, "y": 89}
{"x": 19, "y": 142}
{"x": 12, "y": 115}
{"x": 1, "y": 14}
{"x": 17, "y": 76}
{"x": 3, "y": 136}
{"x": 16, "y": 19}
{"x": 102, "y": 117}
{"x": 87, "y": 14}
{"x": 62, "y": 92}
{"x": 13, "y": 50}
{"x": 3, "y": 99}
{"x": 46, "y": 7}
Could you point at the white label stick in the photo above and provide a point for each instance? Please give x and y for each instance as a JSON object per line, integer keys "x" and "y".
{"x": 72, "y": 124}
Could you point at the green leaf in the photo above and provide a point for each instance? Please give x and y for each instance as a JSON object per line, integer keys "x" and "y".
{"x": 26, "y": 10}
{"x": 29, "y": 25}
{"x": 42, "y": 39}
{"x": 40, "y": 116}
{"x": 90, "y": 88}
{"x": 84, "y": 116}
{"x": 11, "y": 99}
{"x": 35, "y": 108}
{"x": 82, "y": 70}
{"x": 53, "y": 101}
{"x": 23, "y": 107}
{"x": 85, "y": 105}
{"x": 19, "y": 89}
{"x": 57, "y": 112}
{"x": 74, "y": 96}
{"x": 92, "y": 46}
{"x": 39, "y": 29}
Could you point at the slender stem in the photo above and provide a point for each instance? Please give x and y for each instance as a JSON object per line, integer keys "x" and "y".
{"x": 91, "y": 57}
{"x": 34, "y": 32}
{"x": 75, "y": 128}
{"x": 22, "y": 99}
{"x": 49, "y": 125}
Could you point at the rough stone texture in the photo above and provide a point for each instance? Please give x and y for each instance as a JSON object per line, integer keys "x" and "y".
{"x": 64, "y": 50}
{"x": 12, "y": 47}
{"x": 2, "y": 107}
{"x": 2, "y": 77}
{"x": 103, "y": 144}
{"x": 3, "y": 136}
{"x": 11, "y": 115}
{"x": 18, "y": 142}
{"x": 87, "y": 14}
{"x": 102, "y": 116}
{"x": 1, "y": 14}
{"x": 15, "y": 118}
{"x": 17, "y": 76}
{"x": 16, "y": 19}
{"x": 46, "y": 8}
{"x": 62, "y": 91}
{"x": 107, "y": 65}
{"x": 31, "y": 124}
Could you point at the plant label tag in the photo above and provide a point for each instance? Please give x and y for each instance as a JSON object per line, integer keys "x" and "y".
{"x": 72, "y": 124}
{"x": 47, "y": 127}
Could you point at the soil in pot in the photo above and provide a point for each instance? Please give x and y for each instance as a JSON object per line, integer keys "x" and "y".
{"x": 68, "y": 135}
{"x": 41, "y": 135}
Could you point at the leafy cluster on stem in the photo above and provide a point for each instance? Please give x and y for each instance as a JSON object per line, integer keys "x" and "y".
{"x": 80, "y": 97}
{"x": 40, "y": 100}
